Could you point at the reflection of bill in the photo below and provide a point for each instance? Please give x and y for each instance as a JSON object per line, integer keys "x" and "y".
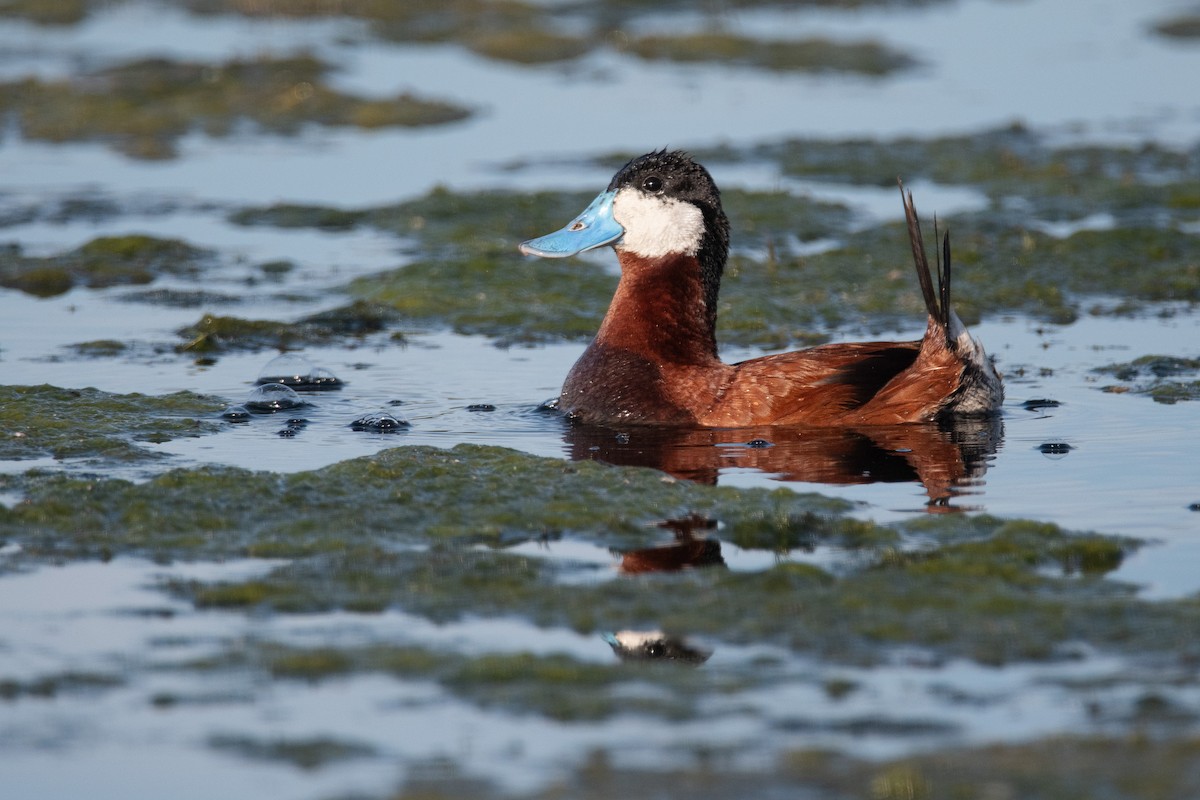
{"x": 945, "y": 458}
{"x": 655, "y": 646}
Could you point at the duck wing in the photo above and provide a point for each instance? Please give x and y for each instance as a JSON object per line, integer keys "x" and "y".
{"x": 824, "y": 385}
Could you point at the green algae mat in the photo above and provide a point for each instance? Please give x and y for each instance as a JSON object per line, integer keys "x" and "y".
{"x": 535, "y": 33}
{"x": 463, "y": 270}
{"x": 99, "y": 427}
{"x": 143, "y": 107}
{"x": 381, "y": 533}
{"x": 1165, "y": 379}
{"x": 377, "y": 533}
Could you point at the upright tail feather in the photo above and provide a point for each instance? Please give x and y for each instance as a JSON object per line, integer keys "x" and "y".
{"x": 943, "y": 274}
{"x": 937, "y": 304}
{"x": 980, "y": 389}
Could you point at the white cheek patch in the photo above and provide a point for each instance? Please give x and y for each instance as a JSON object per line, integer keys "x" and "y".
{"x": 635, "y": 639}
{"x": 657, "y": 226}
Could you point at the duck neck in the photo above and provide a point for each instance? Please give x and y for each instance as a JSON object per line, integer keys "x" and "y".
{"x": 663, "y": 310}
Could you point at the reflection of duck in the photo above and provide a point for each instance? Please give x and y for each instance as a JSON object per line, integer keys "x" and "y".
{"x": 654, "y": 359}
{"x": 655, "y": 646}
{"x": 944, "y": 457}
{"x": 686, "y": 551}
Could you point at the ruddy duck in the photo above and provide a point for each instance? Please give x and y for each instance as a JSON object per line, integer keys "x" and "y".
{"x": 654, "y": 359}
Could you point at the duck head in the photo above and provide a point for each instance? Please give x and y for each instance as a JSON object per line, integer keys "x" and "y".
{"x": 662, "y": 205}
{"x": 655, "y": 646}
{"x": 659, "y": 204}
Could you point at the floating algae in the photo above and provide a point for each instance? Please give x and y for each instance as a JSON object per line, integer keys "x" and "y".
{"x": 991, "y": 590}
{"x": 144, "y": 107}
{"x": 464, "y": 273}
{"x": 105, "y": 261}
{"x": 805, "y": 55}
{"x": 88, "y": 423}
{"x": 537, "y": 33}
{"x": 1165, "y": 379}
{"x": 216, "y": 334}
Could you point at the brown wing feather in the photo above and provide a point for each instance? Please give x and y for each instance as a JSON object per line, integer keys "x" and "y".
{"x": 818, "y": 386}
{"x": 920, "y": 392}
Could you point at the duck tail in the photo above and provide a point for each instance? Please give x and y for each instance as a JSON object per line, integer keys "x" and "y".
{"x": 936, "y": 303}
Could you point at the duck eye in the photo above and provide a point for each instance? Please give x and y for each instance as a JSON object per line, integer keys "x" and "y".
{"x": 653, "y": 184}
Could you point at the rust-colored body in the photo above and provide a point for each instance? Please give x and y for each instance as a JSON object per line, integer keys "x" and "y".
{"x": 654, "y": 361}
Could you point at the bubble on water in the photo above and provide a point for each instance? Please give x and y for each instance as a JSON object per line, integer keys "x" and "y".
{"x": 758, "y": 443}
{"x": 296, "y": 371}
{"x": 272, "y": 397}
{"x": 379, "y": 422}
{"x": 321, "y": 378}
{"x": 236, "y": 413}
{"x": 287, "y": 369}
{"x": 481, "y": 407}
{"x": 1054, "y": 449}
{"x": 294, "y": 426}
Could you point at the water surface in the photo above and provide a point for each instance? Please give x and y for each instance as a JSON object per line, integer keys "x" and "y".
{"x": 115, "y": 669}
